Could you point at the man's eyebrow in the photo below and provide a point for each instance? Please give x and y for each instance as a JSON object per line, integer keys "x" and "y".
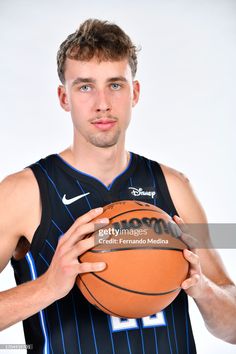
{"x": 117, "y": 78}
{"x": 80, "y": 80}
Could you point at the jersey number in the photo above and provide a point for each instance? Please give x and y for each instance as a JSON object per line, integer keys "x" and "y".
{"x": 122, "y": 324}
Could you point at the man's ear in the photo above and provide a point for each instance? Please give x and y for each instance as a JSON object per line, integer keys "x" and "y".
{"x": 136, "y": 92}
{"x": 61, "y": 91}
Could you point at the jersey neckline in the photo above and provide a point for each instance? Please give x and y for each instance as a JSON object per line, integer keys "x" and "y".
{"x": 83, "y": 176}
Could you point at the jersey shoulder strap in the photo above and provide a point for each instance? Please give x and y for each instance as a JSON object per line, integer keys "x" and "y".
{"x": 45, "y": 221}
{"x": 162, "y": 187}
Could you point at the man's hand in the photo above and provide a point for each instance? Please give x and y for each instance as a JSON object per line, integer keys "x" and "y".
{"x": 196, "y": 283}
{"x": 65, "y": 266}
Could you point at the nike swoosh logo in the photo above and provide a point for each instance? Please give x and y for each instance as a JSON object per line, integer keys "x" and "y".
{"x": 72, "y": 200}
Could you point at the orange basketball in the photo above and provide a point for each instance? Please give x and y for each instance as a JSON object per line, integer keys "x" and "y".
{"x": 145, "y": 262}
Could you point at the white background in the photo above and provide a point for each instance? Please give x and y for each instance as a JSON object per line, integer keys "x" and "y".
{"x": 185, "y": 117}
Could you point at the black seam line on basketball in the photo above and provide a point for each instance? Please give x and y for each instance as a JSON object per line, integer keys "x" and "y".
{"x": 129, "y": 211}
{"x": 134, "y": 291}
{"x": 116, "y": 314}
{"x": 137, "y": 248}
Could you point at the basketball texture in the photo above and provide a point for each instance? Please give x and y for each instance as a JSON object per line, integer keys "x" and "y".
{"x": 145, "y": 262}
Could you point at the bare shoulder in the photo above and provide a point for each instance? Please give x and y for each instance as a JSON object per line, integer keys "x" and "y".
{"x": 174, "y": 176}
{"x": 184, "y": 198}
{"x": 19, "y": 188}
{"x": 16, "y": 181}
{"x": 20, "y": 212}
{"x": 18, "y": 193}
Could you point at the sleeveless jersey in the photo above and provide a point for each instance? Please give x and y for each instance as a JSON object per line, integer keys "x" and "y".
{"x": 72, "y": 325}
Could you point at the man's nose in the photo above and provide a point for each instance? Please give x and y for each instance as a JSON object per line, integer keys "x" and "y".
{"x": 102, "y": 103}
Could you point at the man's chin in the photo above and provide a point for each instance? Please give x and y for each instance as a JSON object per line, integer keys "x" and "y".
{"x": 104, "y": 142}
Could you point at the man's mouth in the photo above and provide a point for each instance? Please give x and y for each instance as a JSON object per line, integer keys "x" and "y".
{"x": 104, "y": 123}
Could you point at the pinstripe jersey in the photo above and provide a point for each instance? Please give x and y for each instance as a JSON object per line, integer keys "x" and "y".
{"x": 72, "y": 325}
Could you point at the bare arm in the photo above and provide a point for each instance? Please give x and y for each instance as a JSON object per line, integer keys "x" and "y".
{"x": 23, "y": 301}
{"x": 16, "y": 304}
{"x": 209, "y": 283}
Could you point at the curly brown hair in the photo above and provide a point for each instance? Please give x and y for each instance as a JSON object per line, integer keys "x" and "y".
{"x": 100, "y": 39}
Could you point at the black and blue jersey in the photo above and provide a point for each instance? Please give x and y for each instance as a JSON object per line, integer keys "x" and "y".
{"x": 72, "y": 325}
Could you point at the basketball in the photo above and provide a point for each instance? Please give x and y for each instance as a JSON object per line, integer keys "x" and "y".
{"x": 144, "y": 260}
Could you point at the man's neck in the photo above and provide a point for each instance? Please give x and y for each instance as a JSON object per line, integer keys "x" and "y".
{"x": 102, "y": 163}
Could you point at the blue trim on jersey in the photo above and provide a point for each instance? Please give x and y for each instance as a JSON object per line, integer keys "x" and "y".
{"x": 168, "y": 333}
{"x": 92, "y": 324}
{"x": 154, "y": 182}
{"x": 43, "y": 259}
{"x": 127, "y": 336}
{"x": 141, "y": 333}
{"x": 61, "y": 330}
{"x": 156, "y": 342}
{"x": 58, "y": 228}
{"x": 110, "y": 330}
{"x": 58, "y": 313}
{"x": 46, "y": 317}
{"x": 186, "y": 324}
{"x": 173, "y": 320}
{"x": 76, "y": 323}
{"x": 33, "y": 272}
{"x": 95, "y": 178}
{"x": 55, "y": 187}
{"x": 49, "y": 244}
{"x": 73, "y": 301}
{"x": 86, "y": 197}
{"x": 90, "y": 313}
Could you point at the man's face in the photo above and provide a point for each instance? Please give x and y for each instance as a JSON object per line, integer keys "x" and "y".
{"x": 100, "y": 97}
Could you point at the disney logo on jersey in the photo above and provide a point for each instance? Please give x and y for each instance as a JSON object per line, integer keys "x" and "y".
{"x": 139, "y": 192}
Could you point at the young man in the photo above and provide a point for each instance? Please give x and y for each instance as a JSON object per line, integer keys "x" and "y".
{"x": 62, "y": 194}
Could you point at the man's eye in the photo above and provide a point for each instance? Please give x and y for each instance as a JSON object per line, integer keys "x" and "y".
{"x": 85, "y": 88}
{"x": 115, "y": 86}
